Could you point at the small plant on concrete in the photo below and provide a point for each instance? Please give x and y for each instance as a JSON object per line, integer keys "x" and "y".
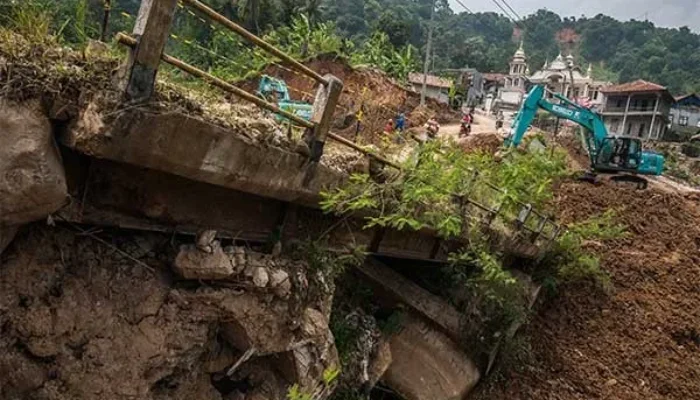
{"x": 490, "y": 297}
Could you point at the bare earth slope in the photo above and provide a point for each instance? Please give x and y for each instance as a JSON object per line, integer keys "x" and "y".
{"x": 642, "y": 341}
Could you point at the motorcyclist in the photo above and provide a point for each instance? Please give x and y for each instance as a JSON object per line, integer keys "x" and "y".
{"x": 466, "y": 125}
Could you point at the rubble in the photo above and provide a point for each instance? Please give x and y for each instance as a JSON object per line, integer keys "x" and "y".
{"x": 85, "y": 317}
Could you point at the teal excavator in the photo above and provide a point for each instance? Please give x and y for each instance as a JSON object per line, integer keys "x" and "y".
{"x": 619, "y": 156}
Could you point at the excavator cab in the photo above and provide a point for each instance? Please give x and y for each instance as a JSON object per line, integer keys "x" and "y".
{"x": 618, "y": 154}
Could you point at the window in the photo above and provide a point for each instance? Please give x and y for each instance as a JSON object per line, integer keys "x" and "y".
{"x": 644, "y": 105}
{"x": 576, "y": 92}
{"x": 594, "y": 94}
{"x": 683, "y": 120}
{"x": 641, "y": 130}
{"x": 619, "y": 103}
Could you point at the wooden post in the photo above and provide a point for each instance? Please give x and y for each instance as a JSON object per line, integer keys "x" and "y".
{"x": 151, "y": 30}
{"x": 327, "y": 97}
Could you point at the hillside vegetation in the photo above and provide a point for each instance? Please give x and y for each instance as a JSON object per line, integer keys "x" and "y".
{"x": 390, "y": 34}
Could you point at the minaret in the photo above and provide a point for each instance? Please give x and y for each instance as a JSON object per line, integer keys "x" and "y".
{"x": 518, "y": 67}
{"x": 589, "y": 72}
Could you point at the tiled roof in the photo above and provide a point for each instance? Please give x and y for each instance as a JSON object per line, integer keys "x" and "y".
{"x": 636, "y": 86}
{"x": 432, "y": 80}
{"x": 494, "y": 76}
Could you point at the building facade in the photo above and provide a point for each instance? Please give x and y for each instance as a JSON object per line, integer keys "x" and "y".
{"x": 436, "y": 87}
{"x": 557, "y": 77}
{"x": 638, "y": 109}
{"x": 685, "y": 115}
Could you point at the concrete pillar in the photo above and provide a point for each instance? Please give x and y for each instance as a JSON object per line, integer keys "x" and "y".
{"x": 624, "y": 117}
{"x": 151, "y": 30}
{"x": 327, "y": 97}
{"x": 653, "y": 117}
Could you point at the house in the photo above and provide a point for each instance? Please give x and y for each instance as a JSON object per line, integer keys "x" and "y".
{"x": 685, "y": 115}
{"x": 436, "y": 87}
{"x": 640, "y": 109}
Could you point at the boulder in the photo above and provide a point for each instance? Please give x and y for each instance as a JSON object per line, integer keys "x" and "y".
{"x": 428, "y": 365}
{"x": 260, "y": 277}
{"x": 32, "y": 178}
{"x": 191, "y": 263}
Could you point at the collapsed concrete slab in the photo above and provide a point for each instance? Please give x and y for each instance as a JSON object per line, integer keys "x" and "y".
{"x": 428, "y": 365}
{"x": 197, "y": 150}
{"x": 32, "y": 178}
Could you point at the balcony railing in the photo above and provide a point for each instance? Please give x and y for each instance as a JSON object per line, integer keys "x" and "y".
{"x": 636, "y": 109}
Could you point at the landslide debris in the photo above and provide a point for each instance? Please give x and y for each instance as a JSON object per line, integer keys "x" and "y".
{"x": 71, "y": 83}
{"x": 380, "y": 97}
{"x": 640, "y": 341}
{"x": 86, "y": 320}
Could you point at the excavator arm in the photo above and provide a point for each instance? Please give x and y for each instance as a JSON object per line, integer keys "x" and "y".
{"x": 619, "y": 154}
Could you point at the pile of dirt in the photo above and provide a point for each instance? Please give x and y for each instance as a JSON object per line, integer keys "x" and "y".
{"x": 578, "y": 156}
{"x": 380, "y": 97}
{"x": 488, "y": 143}
{"x": 85, "y": 319}
{"x": 642, "y": 340}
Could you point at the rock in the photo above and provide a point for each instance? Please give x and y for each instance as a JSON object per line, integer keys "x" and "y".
{"x": 611, "y": 382}
{"x": 191, "y": 263}
{"x": 279, "y": 281}
{"x": 32, "y": 179}
{"x": 260, "y": 277}
{"x": 277, "y": 277}
{"x": 314, "y": 323}
{"x": 205, "y": 240}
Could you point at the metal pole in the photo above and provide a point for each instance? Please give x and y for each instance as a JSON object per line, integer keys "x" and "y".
{"x": 428, "y": 48}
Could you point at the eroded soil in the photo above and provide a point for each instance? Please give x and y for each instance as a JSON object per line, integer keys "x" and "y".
{"x": 641, "y": 340}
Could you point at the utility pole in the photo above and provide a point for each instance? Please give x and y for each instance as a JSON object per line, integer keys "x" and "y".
{"x": 428, "y": 48}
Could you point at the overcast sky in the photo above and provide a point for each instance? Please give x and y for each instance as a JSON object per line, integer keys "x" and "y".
{"x": 667, "y": 13}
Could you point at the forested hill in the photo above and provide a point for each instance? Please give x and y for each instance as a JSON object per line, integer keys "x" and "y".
{"x": 391, "y": 34}
{"x": 620, "y": 51}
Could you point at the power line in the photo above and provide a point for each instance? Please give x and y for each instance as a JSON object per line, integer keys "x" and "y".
{"x": 507, "y": 14}
{"x": 511, "y": 9}
{"x": 465, "y": 7}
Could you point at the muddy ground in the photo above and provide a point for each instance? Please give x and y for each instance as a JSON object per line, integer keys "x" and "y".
{"x": 639, "y": 341}
{"x": 88, "y": 319}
